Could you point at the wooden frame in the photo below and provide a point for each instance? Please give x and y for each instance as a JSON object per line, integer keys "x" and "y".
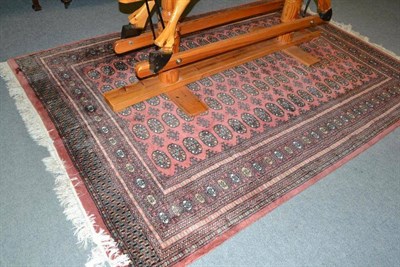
{"x": 188, "y": 66}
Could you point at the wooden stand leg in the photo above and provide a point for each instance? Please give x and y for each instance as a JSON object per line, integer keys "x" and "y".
{"x": 181, "y": 96}
{"x": 35, "y": 5}
{"x": 291, "y": 11}
{"x": 168, "y": 7}
{"x": 66, "y": 3}
{"x": 324, "y": 5}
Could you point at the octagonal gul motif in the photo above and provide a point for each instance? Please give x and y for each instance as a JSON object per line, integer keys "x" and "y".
{"x": 262, "y": 115}
{"x": 108, "y": 70}
{"x": 315, "y": 92}
{"x": 323, "y": 88}
{"x": 94, "y": 74}
{"x": 251, "y": 90}
{"x": 161, "y": 159}
{"x": 296, "y": 100}
{"x": 223, "y": 132}
{"x": 306, "y": 96}
{"x": 250, "y": 120}
{"x": 170, "y": 119}
{"x": 155, "y": 126}
{"x": 226, "y": 99}
{"x": 192, "y": 145}
{"x": 208, "y": 138}
{"x": 275, "y": 110}
{"x": 285, "y": 104}
{"x": 120, "y": 66}
{"x": 140, "y": 131}
{"x": 261, "y": 85}
{"x": 237, "y": 126}
{"x": 177, "y": 152}
{"x": 213, "y": 103}
{"x": 239, "y": 94}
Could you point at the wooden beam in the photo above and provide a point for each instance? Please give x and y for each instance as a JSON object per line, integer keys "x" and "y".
{"x": 230, "y": 15}
{"x": 192, "y": 55}
{"x": 203, "y": 22}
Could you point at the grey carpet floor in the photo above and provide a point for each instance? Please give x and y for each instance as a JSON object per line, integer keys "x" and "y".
{"x": 350, "y": 218}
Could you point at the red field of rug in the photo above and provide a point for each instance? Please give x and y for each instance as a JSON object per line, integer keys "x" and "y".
{"x": 168, "y": 187}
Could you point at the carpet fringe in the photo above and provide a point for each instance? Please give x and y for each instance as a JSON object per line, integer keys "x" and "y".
{"x": 104, "y": 250}
{"x": 348, "y": 28}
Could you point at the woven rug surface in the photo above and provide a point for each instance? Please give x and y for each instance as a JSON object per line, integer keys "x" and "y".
{"x": 168, "y": 187}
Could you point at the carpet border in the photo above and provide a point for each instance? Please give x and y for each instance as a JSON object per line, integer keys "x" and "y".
{"x": 73, "y": 197}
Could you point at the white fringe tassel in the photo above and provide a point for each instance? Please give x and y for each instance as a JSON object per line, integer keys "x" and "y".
{"x": 349, "y": 29}
{"x": 104, "y": 249}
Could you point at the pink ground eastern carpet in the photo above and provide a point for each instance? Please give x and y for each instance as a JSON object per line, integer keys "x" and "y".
{"x": 169, "y": 187}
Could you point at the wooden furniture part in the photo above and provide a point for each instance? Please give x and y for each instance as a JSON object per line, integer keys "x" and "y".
{"x": 36, "y": 5}
{"x": 188, "y": 66}
{"x": 215, "y": 19}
